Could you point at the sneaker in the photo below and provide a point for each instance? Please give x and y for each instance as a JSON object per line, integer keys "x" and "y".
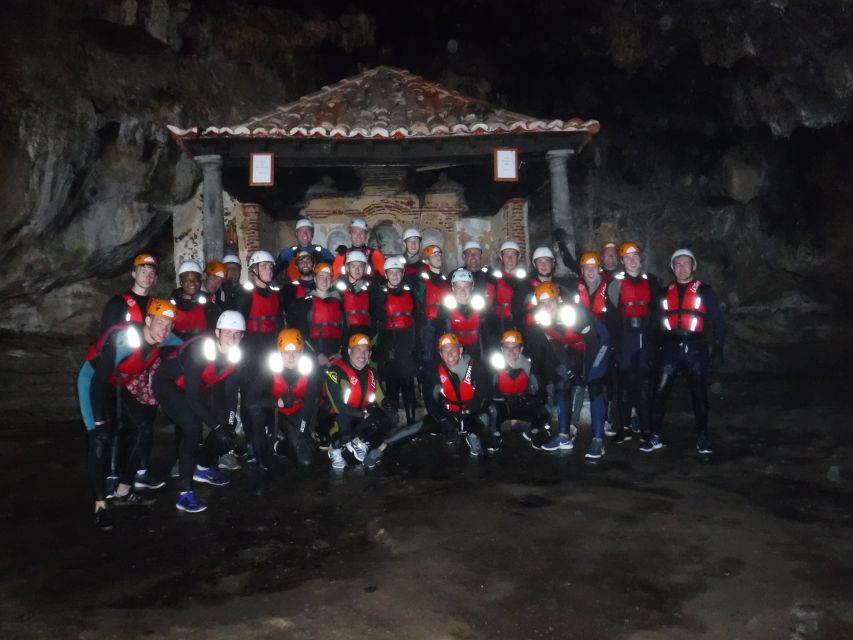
{"x": 560, "y": 441}
{"x": 596, "y": 449}
{"x": 175, "y": 472}
{"x": 103, "y": 520}
{"x": 652, "y": 443}
{"x": 373, "y": 457}
{"x": 229, "y": 462}
{"x": 609, "y": 429}
{"x": 337, "y": 458}
{"x": 210, "y": 476}
{"x": 635, "y": 424}
{"x": 474, "y": 444}
{"x": 703, "y": 445}
{"x": 132, "y": 499}
{"x": 622, "y": 436}
{"x": 358, "y": 449}
{"x": 111, "y": 486}
{"x": 494, "y": 443}
{"x": 145, "y": 480}
{"x": 190, "y": 503}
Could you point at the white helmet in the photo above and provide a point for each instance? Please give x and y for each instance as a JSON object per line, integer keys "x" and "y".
{"x": 394, "y": 262}
{"x": 189, "y": 266}
{"x": 356, "y": 256}
{"x": 358, "y": 223}
{"x": 461, "y": 275}
{"x": 510, "y": 244}
{"x": 682, "y": 252}
{"x": 231, "y": 320}
{"x": 542, "y": 252}
{"x": 261, "y": 256}
{"x": 230, "y": 259}
{"x": 304, "y": 222}
{"x": 471, "y": 244}
{"x": 411, "y": 233}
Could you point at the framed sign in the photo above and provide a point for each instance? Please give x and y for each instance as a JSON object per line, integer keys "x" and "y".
{"x": 506, "y": 165}
{"x": 261, "y": 169}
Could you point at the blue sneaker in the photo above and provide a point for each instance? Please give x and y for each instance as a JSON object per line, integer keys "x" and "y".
{"x": 474, "y": 444}
{"x": 190, "y": 503}
{"x": 653, "y": 443}
{"x": 561, "y": 441}
{"x": 211, "y": 476}
{"x": 703, "y": 445}
{"x": 596, "y": 449}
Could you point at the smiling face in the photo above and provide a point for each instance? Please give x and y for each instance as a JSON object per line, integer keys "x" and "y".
{"x": 228, "y": 338}
{"x": 632, "y": 262}
{"x": 435, "y": 260}
{"x": 212, "y": 284}
{"x": 144, "y": 276}
{"x": 355, "y": 271}
{"x": 590, "y": 275}
{"x": 305, "y": 265}
{"x": 304, "y": 236}
{"x": 323, "y": 281}
{"x": 509, "y": 258}
{"x": 359, "y": 355}
{"x": 358, "y": 236}
{"x": 462, "y": 291}
{"x": 190, "y": 283}
{"x": 450, "y": 354}
{"x": 157, "y": 329}
{"x": 682, "y": 267}
{"x": 512, "y": 352}
{"x": 395, "y": 276}
{"x": 610, "y": 258}
{"x": 413, "y": 245}
{"x": 473, "y": 259}
{"x": 544, "y": 267}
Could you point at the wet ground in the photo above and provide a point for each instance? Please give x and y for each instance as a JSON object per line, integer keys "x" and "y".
{"x": 754, "y": 543}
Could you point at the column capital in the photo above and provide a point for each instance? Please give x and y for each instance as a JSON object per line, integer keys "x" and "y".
{"x": 209, "y": 162}
{"x": 559, "y": 154}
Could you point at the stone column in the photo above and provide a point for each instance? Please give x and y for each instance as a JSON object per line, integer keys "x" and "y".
{"x": 561, "y": 206}
{"x": 213, "y": 216}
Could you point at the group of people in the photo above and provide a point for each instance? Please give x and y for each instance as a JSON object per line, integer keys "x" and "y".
{"x": 337, "y": 352}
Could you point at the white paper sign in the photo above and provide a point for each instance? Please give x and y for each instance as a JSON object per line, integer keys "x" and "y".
{"x": 506, "y": 164}
{"x": 261, "y": 170}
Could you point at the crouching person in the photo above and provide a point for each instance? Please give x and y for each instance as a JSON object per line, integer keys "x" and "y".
{"x": 197, "y": 386}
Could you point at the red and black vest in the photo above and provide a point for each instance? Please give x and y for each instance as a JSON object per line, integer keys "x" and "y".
{"x": 300, "y": 290}
{"x": 358, "y": 397}
{"x": 135, "y": 313}
{"x": 635, "y": 299}
{"x": 192, "y": 316}
{"x": 399, "y": 309}
{"x": 413, "y": 268}
{"x": 567, "y": 336}
{"x": 264, "y": 313}
{"x": 467, "y": 328}
{"x": 512, "y": 382}
{"x": 456, "y": 397}
{"x": 435, "y": 288}
{"x": 504, "y": 291}
{"x": 297, "y": 391}
{"x": 686, "y": 314}
{"x": 209, "y": 375}
{"x": 598, "y": 304}
{"x": 357, "y": 306}
{"x": 135, "y": 363}
{"x": 326, "y": 319}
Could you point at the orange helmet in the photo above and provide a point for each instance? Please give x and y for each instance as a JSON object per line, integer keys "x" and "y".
{"x": 145, "y": 259}
{"x": 547, "y": 291}
{"x": 431, "y": 249}
{"x": 216, "y": 268}
{"x": 590, "y": 259}
{"x": 290, "y": 340}
{"x": 449, "y": 339}
{"x": 162, "y": 308}
{"x": 359, "y": 340}
{"x": 628, "y": 247}
{"x": 512, "y": 337}
{"x": 323, "y": 267}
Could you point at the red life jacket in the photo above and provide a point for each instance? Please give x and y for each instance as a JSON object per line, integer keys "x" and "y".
{"x": 357, "y": 307}
{"x": 134, "y": 312}
{"x": 512, "y": 382}
{"x": 434, "y": 293}
{"x": 598, "y": 304}
{"x": 399, "y": 309}
{"x": 456, "y": 399}
{"x": 412, "y": 268}
{"x": 209, "y": 375}
{"x": 687, "y": 314}
{"x": 635, "y": 299}
{"x": 466, "y": 328}
{"x": 504, "y": 291}
{"x": 298, "y": 392}
{"x": 301, "y": 290}
{"x": 134, "y": 363}
{"x": 264, "y": 313}
{"x": 357, "y": 397}
{"x": 326, "y": 319}
{"x": 193, "y": 319}
{"x": 567, "y": 336}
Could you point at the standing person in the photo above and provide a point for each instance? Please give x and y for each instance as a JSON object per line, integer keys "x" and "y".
{"x": 304, "y": 242}
{"x": 609, "y": 260}
{"x": 523, "y": 302}
{"x": 320, "y": 317}
{"x": 211, "y": 286}
{"x": 131, "y": 305}
{"x": 464, "y": 313}
{"x": 354, "y": 288}
{"x": 110, "y": 411}
{"x": 259, "y": 302}
{"x": 505, "y": 282}
{"x": 472, "y": 256}
{"x": 188, "y": 387}
{"x": 193, "y": 309}
{"x": 456, "y": 393}
{"x": 635, "y": 294}
{"x": 301, "y": 287}
{"x": 358, "y": 238}
{"x": 233, "y": 272}
{"x": 414, "y": 262}
{"x": 688, "y": 307}
{"x": 395, "y": 323}
{"x": 431, "y": 291}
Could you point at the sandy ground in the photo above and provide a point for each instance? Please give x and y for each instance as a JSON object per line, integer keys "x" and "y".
{"x": 754, "y": 543}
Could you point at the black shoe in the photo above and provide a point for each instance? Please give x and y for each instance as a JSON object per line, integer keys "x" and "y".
{"x": 103, "y": 520}
{"x": 622, "y": 436}
{"x": 132, "y": 499}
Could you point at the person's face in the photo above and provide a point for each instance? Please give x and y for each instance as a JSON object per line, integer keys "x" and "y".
{"x": 305, "y": 265}
{"x": 290, "y": 358}
{"x": 233, "y": 271}
{"x": 304, "y": 236}
{"x": 511, "y": 352}
{"x": 509, "y": 258}
{"x": 190, "y": 283}
{"x": 323, "y": 280}
{"x": 632, "y": 263}
{"x": 159, "y": 328}
{"x": 413, "y": 245}
{"x": 395, "y": 276}
{"x": 450, "y": 354}
{"x": 358, "y": 236}
{"x": 462, "y": 291}
{"x": 212, "y": 283}
{"x": 544, "y": 266}
{"x": 355, "y": 271}
{"x": 682, "y": 267}
{"x": 264, "y": 271}
{"x": 359, "y": 355}
{"x": 550, "y": 305}
{"x": 610, "y": 258}
{"x": 473, "y": 259}
{"x": 144, "y": 276}
{"x": 435, "y": 260}
{"x": 590, "y": 274}
{"x": 228, "y": 338}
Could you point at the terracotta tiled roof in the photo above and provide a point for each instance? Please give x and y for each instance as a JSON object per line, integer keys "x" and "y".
{"x": 386, "y": 103}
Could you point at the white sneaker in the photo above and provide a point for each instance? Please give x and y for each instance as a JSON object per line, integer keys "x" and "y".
{"x": 609, "y": 429}
{"x": 337, "y": 458}
{"x": 358, "y": 448}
